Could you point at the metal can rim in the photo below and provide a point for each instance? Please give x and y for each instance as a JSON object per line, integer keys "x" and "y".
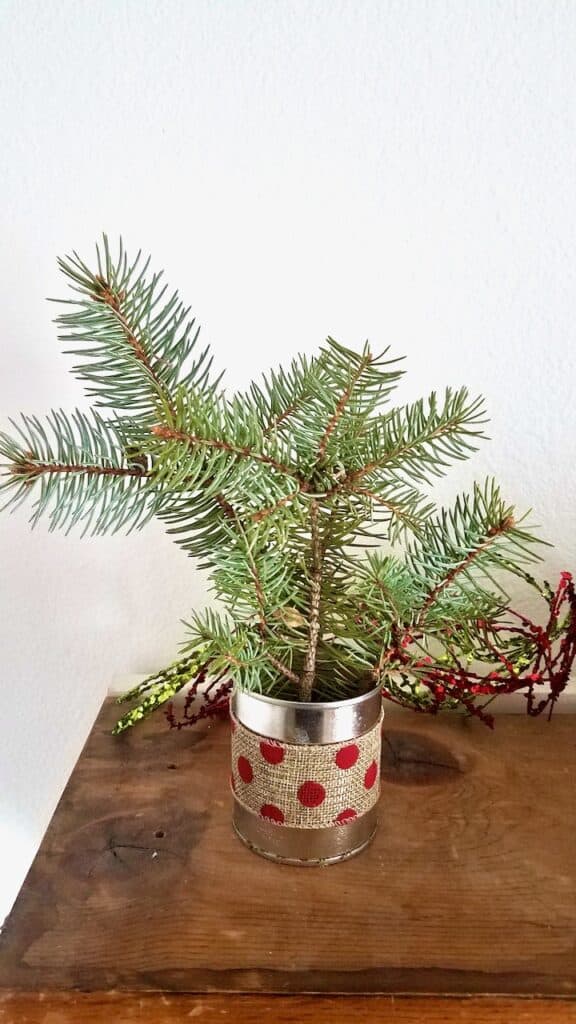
{"x": 307, "y": 722}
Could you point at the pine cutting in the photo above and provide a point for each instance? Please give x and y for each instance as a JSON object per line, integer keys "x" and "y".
{"x": 308, "y": 499}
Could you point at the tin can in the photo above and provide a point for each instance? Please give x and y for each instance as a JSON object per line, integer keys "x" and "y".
{"x": 306, "y": 776}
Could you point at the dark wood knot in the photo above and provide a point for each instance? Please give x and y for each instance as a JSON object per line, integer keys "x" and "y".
{"x": 413, "y": 759}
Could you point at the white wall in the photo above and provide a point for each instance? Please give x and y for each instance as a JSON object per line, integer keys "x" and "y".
{"x": 401, "y": 170}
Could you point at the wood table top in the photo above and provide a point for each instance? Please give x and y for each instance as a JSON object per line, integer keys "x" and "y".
{"x": 142, "y": 894}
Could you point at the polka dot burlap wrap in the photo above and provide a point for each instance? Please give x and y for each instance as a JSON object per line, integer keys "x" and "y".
{"x": 306, "y": 785}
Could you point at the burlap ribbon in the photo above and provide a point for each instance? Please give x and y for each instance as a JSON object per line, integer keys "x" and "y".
{"x": 306, "y": 785}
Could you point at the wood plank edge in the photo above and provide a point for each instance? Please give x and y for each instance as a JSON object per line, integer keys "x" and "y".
{"x": 45, "y": 1007}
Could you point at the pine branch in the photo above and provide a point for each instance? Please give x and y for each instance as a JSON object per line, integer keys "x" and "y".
{"x": 385, "y": 587}
{"x": 212, "y": 459}
{"x": 301, "y": 404}
{"x": 136, "y": 344}
{"x": 344, "y": 399}
{"x": 253, "y": 580}
{"x": 259, "y": 589}
{"x": 269, "y": 510}
{"x": 210, "y": 432}
{"x": 284, "y": 670}
{"x": 273, "y": 489}
{"x": 494, "y": 534}
{"x": 243, "y": 451}
{"x": 114, "y": 300}
{"x": 465, "y": 544}
{"x": 415, "y": 440}
{"x": 283, "y": 394}
{"x": 407, "y": 509}
{"x": 253, "y": 662}
{"x": 81, "y": 470}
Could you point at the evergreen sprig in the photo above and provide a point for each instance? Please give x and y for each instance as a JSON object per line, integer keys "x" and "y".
{"x": 80, "y": 469}
{"x": 135, "y": 340}
{"x": 460, "y": 550}
{"x": 283, "y": 491}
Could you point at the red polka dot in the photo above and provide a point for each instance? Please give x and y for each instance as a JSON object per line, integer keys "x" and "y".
{"x": 347, "y": 756}
{"x": 272, "y": 812}
{"x": 347, "y": 815}
{"x": 311, "y": 794}
{"x": 245, "y": 769}
{"x": 371, "y": 775}
{"x": 272, "y": 752}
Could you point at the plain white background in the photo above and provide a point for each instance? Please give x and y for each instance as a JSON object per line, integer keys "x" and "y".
{"x": 401, "y": 170}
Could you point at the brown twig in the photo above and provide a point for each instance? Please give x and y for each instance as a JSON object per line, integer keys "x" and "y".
{"x": 169, "y": 434}
{"x": 350, "y": 479}
{"x": 395, "y": 509}
{"x": 342, "y": 403}
{"x": 309, "y": 667}
{"x": 263, "y": 513}
{"x": 113, "y": 300}
{"x": 284, "y": 669}
{"x": 34, "y": 469}
{"x": 283, "y": 415}
{"x": 493, "y": 534}
{"x": 275, "y": 422}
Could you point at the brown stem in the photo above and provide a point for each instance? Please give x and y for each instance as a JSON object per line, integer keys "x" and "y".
{"x": 228, "y": 509}
{"x": 309, "y": 667}
{"x": 344, "y": 399}
{"x": 169, "y": 434}
{"x": 394, "y": 509}
{"x": 113, "y": 300}
{"x": 350, "y": 479}
{"x": 34, "y": 469}
{"x": 282, "y": 416}
{"x": 284, "y": 669}
{"x": 263, "y": 513}
{"x": 275, "y": 422}
{"x": 493, "y": 533}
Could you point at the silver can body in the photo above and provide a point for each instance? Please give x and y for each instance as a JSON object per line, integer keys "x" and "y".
{"x": 306, "y": 776}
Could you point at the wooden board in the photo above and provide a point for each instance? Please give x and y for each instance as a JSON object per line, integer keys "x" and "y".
{"x": 119, "y": 1008}
{"x": 470, "y": 886}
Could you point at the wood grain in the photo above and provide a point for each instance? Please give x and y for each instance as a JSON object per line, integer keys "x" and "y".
{"x": 470, "y": 886}
{"x": 74, "y": 1008}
